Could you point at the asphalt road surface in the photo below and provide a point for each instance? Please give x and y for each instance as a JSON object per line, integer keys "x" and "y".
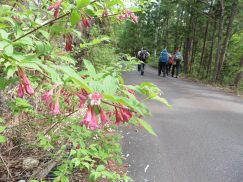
{"x": 201, "y": 140}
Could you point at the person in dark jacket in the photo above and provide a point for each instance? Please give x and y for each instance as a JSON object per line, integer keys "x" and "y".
{"x": 143, "y": 54}
{"x": 163, "y": 61}
{"x": 178, "y": 58}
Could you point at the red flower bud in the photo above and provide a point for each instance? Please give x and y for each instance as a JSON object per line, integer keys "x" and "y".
{"x": 85, "y": 22}
{"x": 68, "y": 46}
{"x": 55, "y": 108}
{"x": 103, "y": 117}
{"x": 20, "y": 90}
{"x": 118, "y": 117}
{"x": 27, "y": 85}
{"x": 126, "y": 115}
{"x": 93, "y": 125}
{"x": 47, "y": 96}
{"x": 56, "y": 8}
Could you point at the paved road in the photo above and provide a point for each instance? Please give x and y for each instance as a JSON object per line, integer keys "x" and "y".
{"x": 201, "y": 140}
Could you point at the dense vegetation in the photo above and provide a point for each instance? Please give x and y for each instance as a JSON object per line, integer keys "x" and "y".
{"x": 209, "y": 33}
{"x": 62, "y": 94}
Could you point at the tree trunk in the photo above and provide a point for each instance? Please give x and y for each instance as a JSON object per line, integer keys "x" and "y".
{"x": 179, "y": 15}
{"x": 227, "y": 38}
{"x": 194, "y": 47}
{"x": 211, "y": 50}
{"x": 203, "y": 50}
{"x": 156, "y": 34}
{"x": 239, "y": 75}
{"x": 220, "y": 35}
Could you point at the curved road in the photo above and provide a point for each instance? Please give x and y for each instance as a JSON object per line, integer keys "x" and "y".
{"x": 201, "y": 140}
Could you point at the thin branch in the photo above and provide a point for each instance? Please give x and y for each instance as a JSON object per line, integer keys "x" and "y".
{"x": 9, "y": 173}
{"x": 14, "y": 5}
{"x": 56, "y": 123}
{"x": 108, "y": 103}
{"x": 49, "y": 22}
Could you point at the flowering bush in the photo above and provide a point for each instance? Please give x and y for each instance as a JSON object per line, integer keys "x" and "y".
{"x": 72, "y": 110}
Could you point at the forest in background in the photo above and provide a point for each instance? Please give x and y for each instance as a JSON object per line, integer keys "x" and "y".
{"x": 208, "y": 32}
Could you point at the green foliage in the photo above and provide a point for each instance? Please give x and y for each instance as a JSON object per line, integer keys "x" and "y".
{"x": 34, "y": 55}
{"x": 2, "y": 129}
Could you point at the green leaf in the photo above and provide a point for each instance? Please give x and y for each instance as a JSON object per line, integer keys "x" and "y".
{"x": 3, "y": 83}
{"x": 2, "y": 139}
{"x": 146, "y": 126}
{"x": 10, "y": 71}
{"x": 22, "y": 103}
{"x": 75, "y": 17}
{"x": 163, "y": 101}
{"x": 68, "y": 59}
{"x": 52, "y": 72}
{"x": 100, "y": 168}
{"x": 2, "y": 128}
{"x": 72, "y": 73}
{"x": 89, "y": 67}
{"x": 3, "y": 34}
{"x": 110, "y": 85}
{"x": 8, "y": 50}
{"x": 25, "y": 41}
{"x": 32, "y": 66}
{"x": 82, "y": 3}
{"x": 45, "y": 34}
{"x": 43, "y": 48}
{"x": 113, "y": 2}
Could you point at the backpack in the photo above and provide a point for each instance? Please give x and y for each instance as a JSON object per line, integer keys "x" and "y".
{"x": 143, "y": 55}
{"x": 171, "y": 60}
{"x": 178, "y": 56}
{"x": 163, "y": 57}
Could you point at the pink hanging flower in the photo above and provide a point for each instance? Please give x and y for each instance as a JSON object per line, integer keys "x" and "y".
{"x": 87, "y": 118}
{"x": 82, "y": 98}
{"x": 27, "y": 85}
{"x": 103, "y": 117}
{"x": 93, "y": 125}
{"x": 95, "y": 98}
{"x": 56, "y": 7}
{"x": 126, "y": 114}
{"x": 134, "y": 18}
{"x": 85, "y": 22}
{"x": 128, "y": 14}
{"x": 21, "y": 89}
{"x": 90, "y": 120}
{"x": 118, "y": 117}
{"x": 105, "y": 13}
{"x": 68, "y": 46}
{"x": 55, "y": 108}
{"x": 47, "y": 96}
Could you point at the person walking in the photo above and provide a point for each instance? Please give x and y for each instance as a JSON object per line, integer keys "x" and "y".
{"x": 163, "y": 60}
{"x": 143, "y": 54}
{"x": 170, "y": 63}
{"x": 178, "y": 58}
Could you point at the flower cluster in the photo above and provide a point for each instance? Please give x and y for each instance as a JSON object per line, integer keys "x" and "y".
{"x": 90, "y": 119}
{"x": 56, "y": 7}
{"x": 27, "y": 86}
{"x": 123, "y": 116}
{"x": 54, "y": 106}
{"x": 127, "y": 14}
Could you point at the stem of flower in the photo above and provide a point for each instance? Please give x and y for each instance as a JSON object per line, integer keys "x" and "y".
{"x": 49, "y": 22}
{"x": 117, "y": 106}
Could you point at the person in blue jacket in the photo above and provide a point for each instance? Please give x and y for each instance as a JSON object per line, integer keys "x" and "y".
{"x": 163, "y": 61}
